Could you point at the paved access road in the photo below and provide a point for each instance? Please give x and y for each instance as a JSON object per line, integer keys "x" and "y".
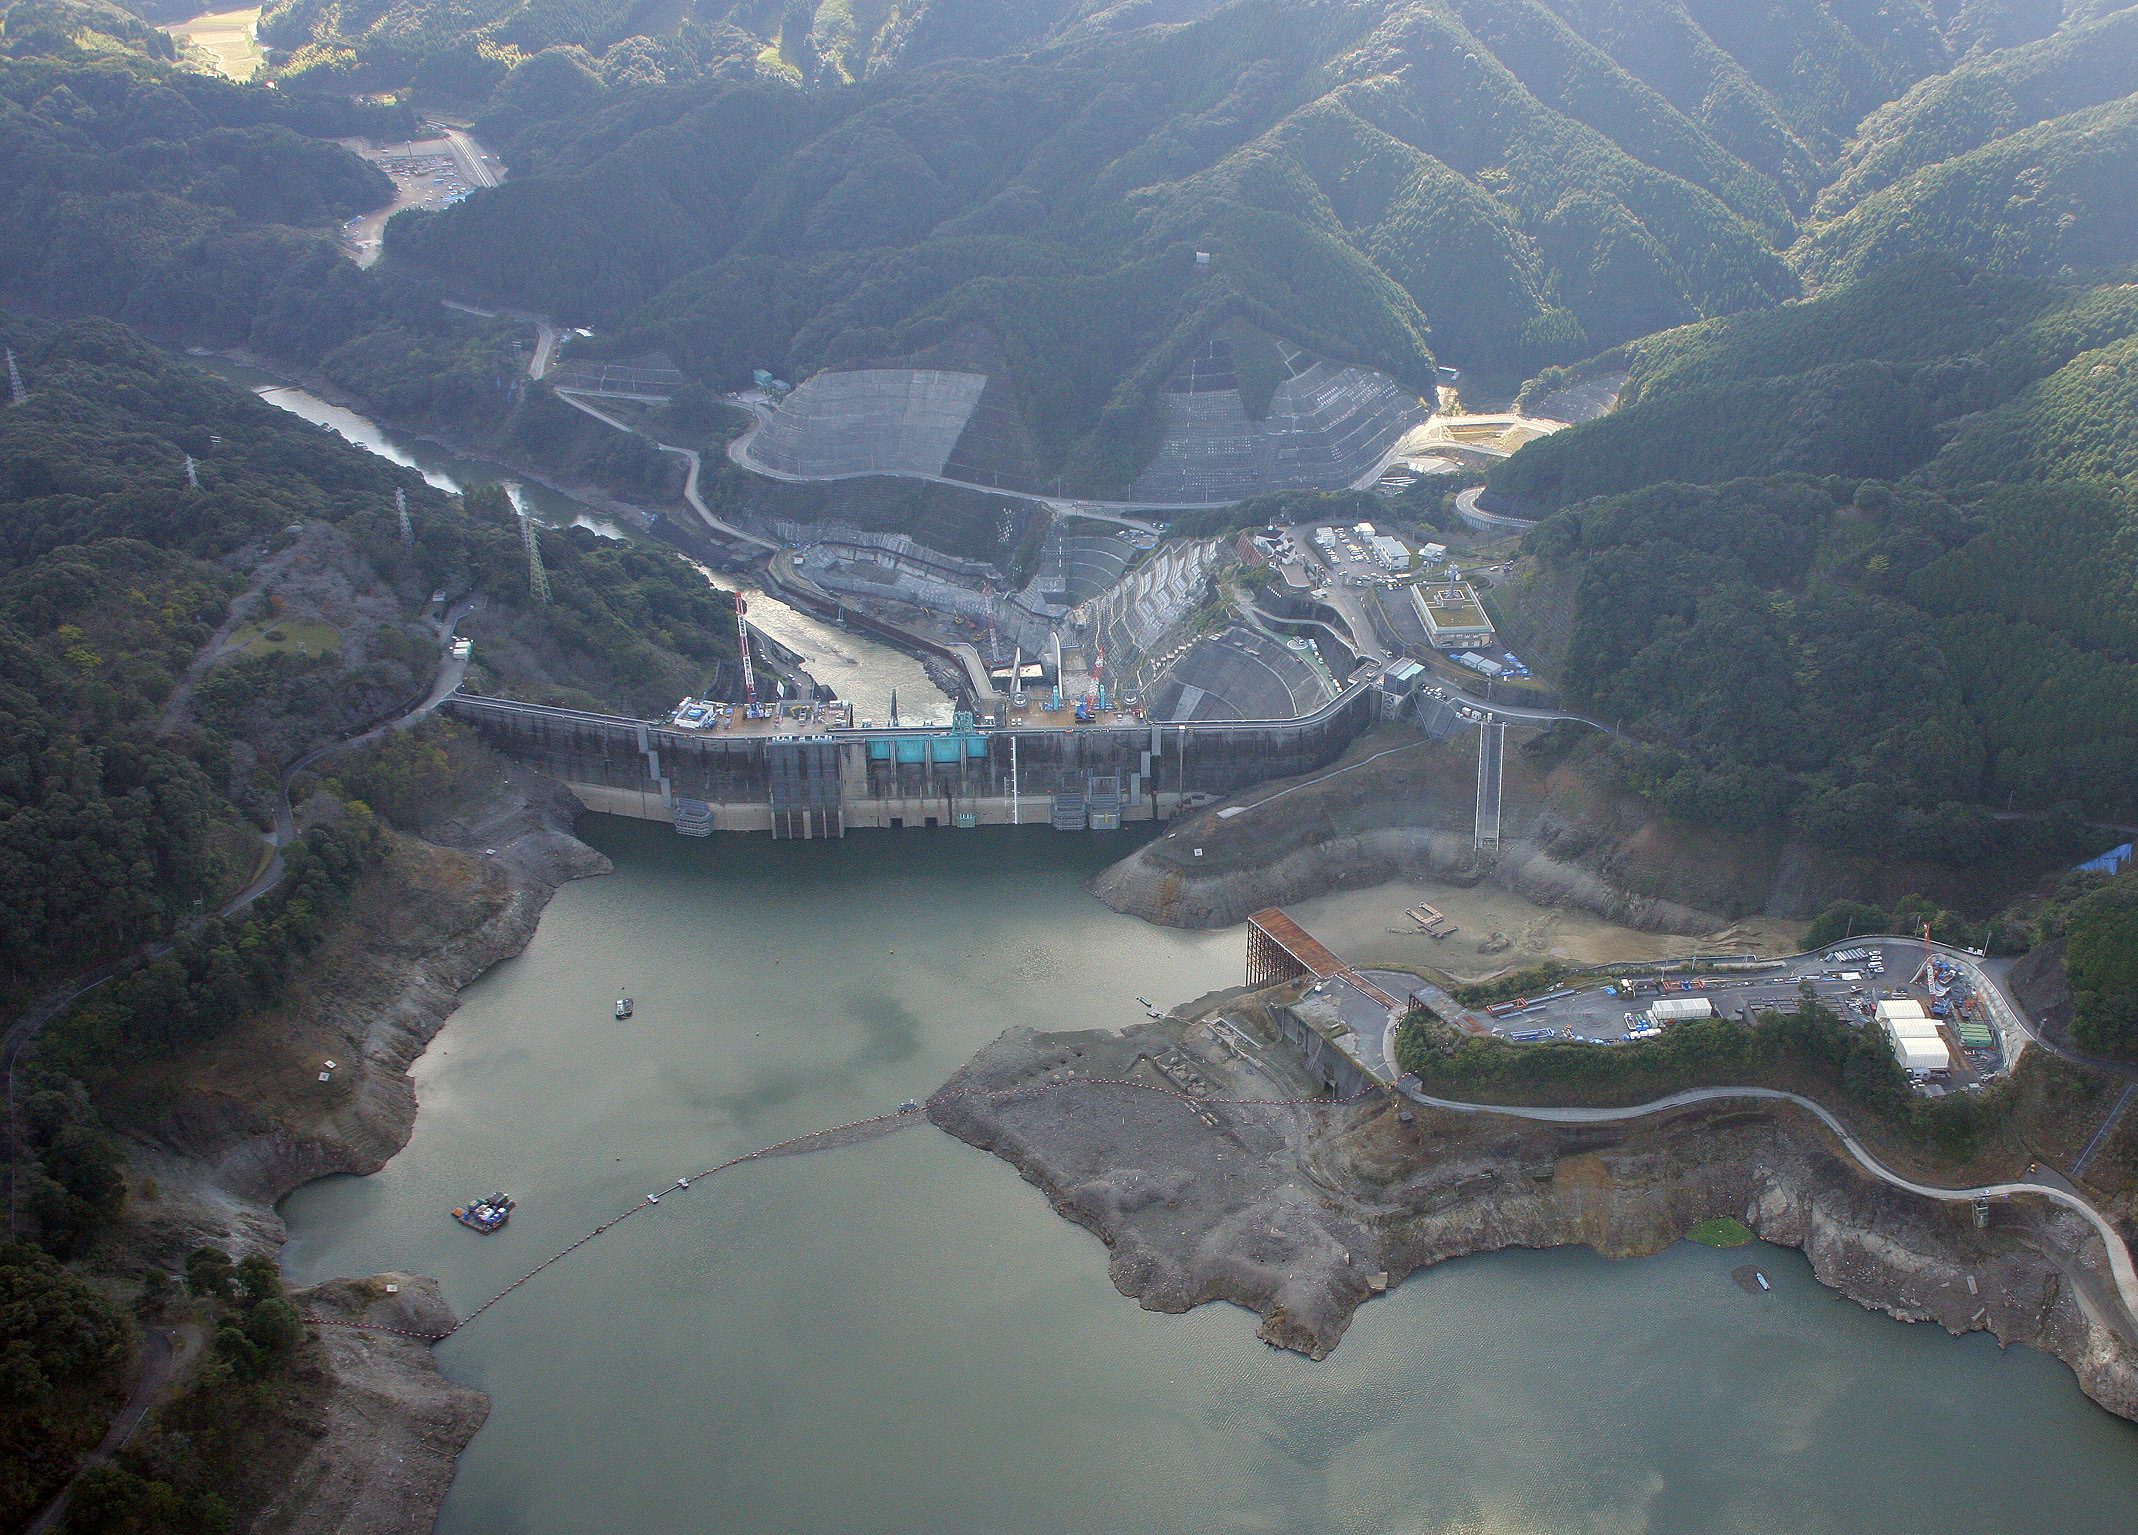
{"x": 164, "y": 1352}
{"x": 2119, "y": 1253}
{"x": 475, "y": 165}
{"x": 573, "y": 397}
{"x": 1467, "y": 509}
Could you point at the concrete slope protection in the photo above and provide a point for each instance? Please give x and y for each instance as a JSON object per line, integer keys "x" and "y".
{"x": 1326, "y": 428}
{"x": 1466, "y": 507}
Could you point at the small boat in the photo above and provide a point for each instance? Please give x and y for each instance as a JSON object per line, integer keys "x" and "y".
{"x": 485, "y": 1214}
{"x": 1146, "y": 1001}
{"x": 909, "y": 1107}
{"x": 623, "y": 1007}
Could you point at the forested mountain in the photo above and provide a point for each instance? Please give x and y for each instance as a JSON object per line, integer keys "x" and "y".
{"x": 1932, "y": 367}
{"x": 1497, "y": 184}
{"x": 1866, "y": 561}
{"x": 1500, "y": 185}
{"x": 139, "y": 498}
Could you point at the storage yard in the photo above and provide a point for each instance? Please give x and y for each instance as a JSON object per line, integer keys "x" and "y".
{"x": 1940, "y": 1031}
{"x": 427, "y": 173}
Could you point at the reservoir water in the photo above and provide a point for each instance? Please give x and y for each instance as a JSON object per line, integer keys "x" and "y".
{"x": 902, "y": 1337}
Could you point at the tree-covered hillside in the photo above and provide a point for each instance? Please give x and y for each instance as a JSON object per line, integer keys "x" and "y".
{"x": 139, "y": 500}
{"x": 1498, "y": 184}
{"x": 1932, "y": 366}
{"x": 1869, "y": 562}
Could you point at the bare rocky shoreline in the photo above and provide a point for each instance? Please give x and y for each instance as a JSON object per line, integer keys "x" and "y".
{"x": 392, "y": 1428}
{"x": 1399, "y": 805}
{"x": 1151, "y": 884}
{"x": 1302, "y": 1212}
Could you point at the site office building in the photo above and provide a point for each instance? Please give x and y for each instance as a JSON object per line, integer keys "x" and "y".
{"x": 1453, "y": 617}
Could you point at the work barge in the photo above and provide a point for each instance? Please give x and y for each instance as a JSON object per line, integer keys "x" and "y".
{"x": 824, "y": 783}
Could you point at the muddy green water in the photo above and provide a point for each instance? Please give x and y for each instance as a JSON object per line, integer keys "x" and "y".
{"x": 901, "y": 1337}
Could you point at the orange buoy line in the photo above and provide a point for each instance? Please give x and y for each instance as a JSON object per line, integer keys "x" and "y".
{"x": 1027, "y": 1089}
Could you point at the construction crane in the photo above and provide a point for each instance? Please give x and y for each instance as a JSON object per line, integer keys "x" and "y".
{"x": 749, "y": 678}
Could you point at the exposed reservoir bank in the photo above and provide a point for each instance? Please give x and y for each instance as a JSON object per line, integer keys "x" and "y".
{"x": 903, "y": 1336}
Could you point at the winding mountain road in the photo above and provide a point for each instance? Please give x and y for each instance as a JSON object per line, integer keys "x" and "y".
{"x": 1492, "y": 522}
{"x": 576, "y": 399}
{"x": 165, "y": 1351}
{"x": 2119, "y": 1253}
{"x": 452, "y": 669}
{"x": 159, "y": 1360}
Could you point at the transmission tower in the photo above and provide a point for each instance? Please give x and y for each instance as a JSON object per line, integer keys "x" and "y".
{"x": 400, "y": 506}
{"x": 537, "y": 577}
{"x": 192, "y": 475}
{"x": 14, "y": 379}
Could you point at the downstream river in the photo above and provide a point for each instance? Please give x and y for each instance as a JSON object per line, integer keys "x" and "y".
{"x": 900, "y": 1338}
{"x": 853, "y": 666}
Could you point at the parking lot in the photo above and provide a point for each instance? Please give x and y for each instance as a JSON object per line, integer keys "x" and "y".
{"x": 1608, "y": 1011}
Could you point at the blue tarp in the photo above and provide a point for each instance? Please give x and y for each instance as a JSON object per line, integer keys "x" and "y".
{"x": 2109, "y": 862}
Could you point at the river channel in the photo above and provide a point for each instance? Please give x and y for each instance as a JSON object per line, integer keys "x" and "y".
{"x": 902, "y": 1337}
{"x": 856, "y": 668}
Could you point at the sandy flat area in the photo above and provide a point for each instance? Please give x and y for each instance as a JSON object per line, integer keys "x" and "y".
{"x": 227, "y": 38}
{"x": 1357, "y": 923}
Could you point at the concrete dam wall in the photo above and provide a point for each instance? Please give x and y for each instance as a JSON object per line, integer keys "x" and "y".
{"x": 823, "y": 784}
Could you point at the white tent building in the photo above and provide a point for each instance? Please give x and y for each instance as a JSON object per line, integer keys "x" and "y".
{"x": 1917, "y": 1045}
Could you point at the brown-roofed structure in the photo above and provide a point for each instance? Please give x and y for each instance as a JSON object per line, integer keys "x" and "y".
{"x": 1280, "y": 950}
